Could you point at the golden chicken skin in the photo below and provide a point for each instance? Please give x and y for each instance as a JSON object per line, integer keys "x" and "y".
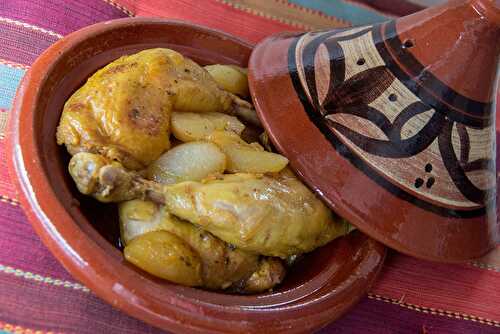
{"x": 208, "y": 261}
{"x": 123, "y": 111}
{"x": 268, "y": 215}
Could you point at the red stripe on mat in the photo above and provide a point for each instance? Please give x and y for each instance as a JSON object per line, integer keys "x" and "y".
{"x": 211, "y": 14}
{"x": 490, "y": 261}
{"x": 457, "y": 288}
{"x": 376, "y": 315}
{"x": 23, "y": 302}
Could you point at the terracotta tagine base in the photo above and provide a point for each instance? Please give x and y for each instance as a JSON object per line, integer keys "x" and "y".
{"x": 82, "y": 233}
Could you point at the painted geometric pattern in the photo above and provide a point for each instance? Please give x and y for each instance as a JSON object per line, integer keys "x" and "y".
{"x": 422, "y": 150}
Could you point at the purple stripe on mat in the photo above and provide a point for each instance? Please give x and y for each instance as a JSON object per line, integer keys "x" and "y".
{"x": 377, "y": 317}
{"x": 23, "y": 45}
{"x": 25, "y": 303}
{"x": 22, "y": 249}
{"x": 60, "y": 16}
{"x": 397, "y": 8}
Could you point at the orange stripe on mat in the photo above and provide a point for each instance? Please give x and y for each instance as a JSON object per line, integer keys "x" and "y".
{"x": 283, "y": 11}
{"x": 8, "y": 192}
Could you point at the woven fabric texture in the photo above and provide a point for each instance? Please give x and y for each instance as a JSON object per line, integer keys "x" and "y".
{"x": 37, "y": 295}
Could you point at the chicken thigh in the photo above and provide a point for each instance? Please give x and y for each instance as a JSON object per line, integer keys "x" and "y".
{"x": 123, "y": 111}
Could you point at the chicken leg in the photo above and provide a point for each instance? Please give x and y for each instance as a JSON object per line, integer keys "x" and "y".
{"x": 222, "y": 266}
{"x": 273, "y": 216}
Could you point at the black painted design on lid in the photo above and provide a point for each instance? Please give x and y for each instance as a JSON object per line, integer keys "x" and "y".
{"x": 353, "y": 96}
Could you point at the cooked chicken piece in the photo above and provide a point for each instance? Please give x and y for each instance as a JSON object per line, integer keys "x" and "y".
{"x": 222, "y": 265}
{"x": 107, "y": 181}
{"x": 269, "y": 273}
{"x": 273, "y": 216}
{"x": 123, "y": 111}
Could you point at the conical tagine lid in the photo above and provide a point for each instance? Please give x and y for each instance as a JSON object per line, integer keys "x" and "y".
{"x": 393, "y": 124}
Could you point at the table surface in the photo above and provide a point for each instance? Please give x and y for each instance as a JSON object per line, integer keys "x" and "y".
{"x": 37, "y": 295}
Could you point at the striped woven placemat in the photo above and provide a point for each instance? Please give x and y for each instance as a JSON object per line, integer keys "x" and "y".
{"x": 38, "y": 296}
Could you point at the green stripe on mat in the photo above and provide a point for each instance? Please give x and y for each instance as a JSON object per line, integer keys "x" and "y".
{"x": 351, "y": 12}
{"x": 10, "y": 78}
